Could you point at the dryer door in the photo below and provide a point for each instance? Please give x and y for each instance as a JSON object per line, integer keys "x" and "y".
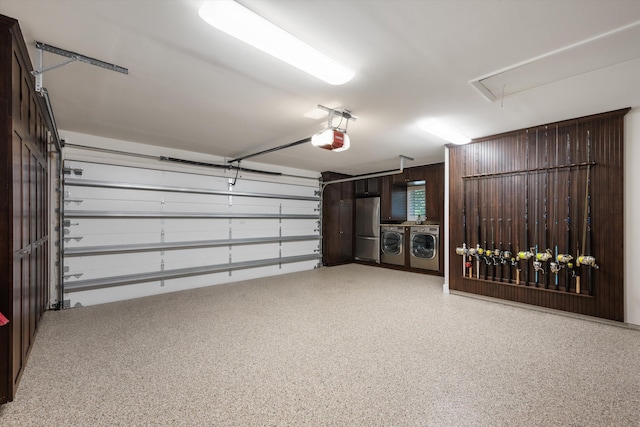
{"x": 391, "y": 243}
{"x": 423, "y": 245}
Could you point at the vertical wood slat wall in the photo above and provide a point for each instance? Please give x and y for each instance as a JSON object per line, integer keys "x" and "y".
{"x": 556, "y": 185}
{"x": 23, "y": 207}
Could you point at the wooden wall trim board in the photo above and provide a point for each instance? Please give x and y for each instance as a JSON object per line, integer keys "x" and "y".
{"x": 551, "y": 185}
{"x": 24, "y": 268}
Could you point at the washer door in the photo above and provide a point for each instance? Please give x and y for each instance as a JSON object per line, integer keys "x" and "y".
{"x": 391, "y": 243}
{"x": 423, "y": 245}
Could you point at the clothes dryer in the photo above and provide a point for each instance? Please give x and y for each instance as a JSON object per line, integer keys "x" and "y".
{"x": 423, "y": 247}
{"x": 392, "y": 244}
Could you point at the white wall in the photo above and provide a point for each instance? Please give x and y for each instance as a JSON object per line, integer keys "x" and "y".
{"x": 631, "y": 215}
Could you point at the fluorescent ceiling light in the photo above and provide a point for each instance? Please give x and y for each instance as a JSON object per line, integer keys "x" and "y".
{"x": 437, "y": 128}
{"x": 243, "y": 24}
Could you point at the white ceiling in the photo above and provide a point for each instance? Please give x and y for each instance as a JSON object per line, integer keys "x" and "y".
{"x": 194, "y": 88}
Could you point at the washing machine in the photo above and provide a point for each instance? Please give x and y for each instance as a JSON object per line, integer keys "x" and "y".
{"x": 423, "y": 247}
{"x": 392, "y": 244}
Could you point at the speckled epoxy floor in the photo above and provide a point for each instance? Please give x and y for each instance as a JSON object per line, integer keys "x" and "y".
{"x": 342, "y": 346}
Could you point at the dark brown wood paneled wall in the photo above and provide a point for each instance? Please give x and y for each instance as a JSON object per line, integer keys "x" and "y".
{"x": 24, "y": 226}
{"x": 549, "y": 190}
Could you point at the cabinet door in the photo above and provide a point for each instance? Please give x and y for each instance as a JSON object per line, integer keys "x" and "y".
{"x": 393, "y": 200}
{"x": 345, "y": 250}
{"x": 337, "y": 223}
{"x": 373, "y": 186}
{"x": 417, "y": 173}
{"x": 361, "y": 188}
{"x": 435, "y": 192}
{"x": 337, "y": 232}
{"x": 367, "y": 187}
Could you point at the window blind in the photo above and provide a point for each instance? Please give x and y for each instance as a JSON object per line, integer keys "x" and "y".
{"x": 416, "y": 202}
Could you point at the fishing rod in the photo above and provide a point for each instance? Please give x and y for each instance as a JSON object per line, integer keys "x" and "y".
{"x": 546, "y": 255}
{"x": 466, "y": 258}
{"x": 536, "y": 263}
{"x": 515, "y": 256}
{"x": 507, "y": 251}
{"x": 577, "y": 227}
{"x": 487, "y": 252}
{"x": 547, "y": 237}
{"x": 479, "y": 249}
{"x": 501, "y": 260}
{"x": 566, "y": 258}
{"x": 525, "y": 254}
{"x": 493, "y": 253}
{"x": 507, "y": 254}
{"x": 512, "y": 261}
{"x": 578, "y": 290}
{"x": 554, "y": 267}
{"x": 500, "y": 253}
{"x": 463, "y": 250}
{"x": 537, "y": 216}
{"x": 587, "y": 258}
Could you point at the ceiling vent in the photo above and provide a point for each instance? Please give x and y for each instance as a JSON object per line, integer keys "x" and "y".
{"x": 592, "y": 54}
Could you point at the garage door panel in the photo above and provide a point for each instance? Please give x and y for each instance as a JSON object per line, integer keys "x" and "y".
{"x": 141, "y": 231}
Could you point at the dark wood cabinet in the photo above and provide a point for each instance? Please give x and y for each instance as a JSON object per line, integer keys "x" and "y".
{"x": 393, "y": 201}
{"x": 24, "y": 225}
{"x": 367, "y": 187}
{"x": 337, "y": 220}
{"x": 411, "y": 175}
{"x": 434, "y": 190}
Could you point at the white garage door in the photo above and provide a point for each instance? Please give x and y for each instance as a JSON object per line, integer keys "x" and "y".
{"x": 131, "y": 231}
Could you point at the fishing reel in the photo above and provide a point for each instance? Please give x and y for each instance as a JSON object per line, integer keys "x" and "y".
{"x": 544, "y": 256}
{"x": 488, "y": 256}
{"x": 514, "y": 260}
{"x": 497, "y": 256}
{"x": 554, "y": 267}
{"x": 565, "y": 259}
{"x": 478, "y": 253}
{"x": 540, "y": 258}
{"x": 506, "y": 257}
{"x": 587, "y": 260}
{"x": 524, "y": 255}
{"x": 537, "y": 266}
{"x": 462, "y": 250}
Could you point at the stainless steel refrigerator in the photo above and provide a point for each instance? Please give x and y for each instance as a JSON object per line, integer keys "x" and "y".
{"x": 368, "y": 229}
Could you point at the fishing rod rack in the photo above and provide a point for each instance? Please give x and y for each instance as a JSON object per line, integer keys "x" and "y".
{"x": 531, "y": 226}
{"x": 536, "y": 216}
